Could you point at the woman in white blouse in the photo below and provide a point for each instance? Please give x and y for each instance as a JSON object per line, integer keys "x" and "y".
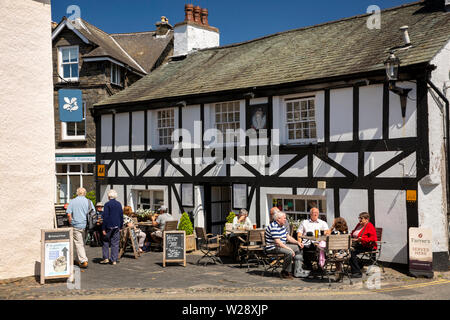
{"x": 242, "y": 221}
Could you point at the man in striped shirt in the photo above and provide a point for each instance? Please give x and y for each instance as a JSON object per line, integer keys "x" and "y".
{"x": 278, "y": 240}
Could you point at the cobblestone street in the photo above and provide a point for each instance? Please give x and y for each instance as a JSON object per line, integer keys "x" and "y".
{"x": 145, "y": 278}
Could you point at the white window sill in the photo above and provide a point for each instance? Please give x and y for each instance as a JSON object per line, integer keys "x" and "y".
{"x": 69, "y": 139}
{"x": 63, "y": 80}
{"x": 301, "y": 142}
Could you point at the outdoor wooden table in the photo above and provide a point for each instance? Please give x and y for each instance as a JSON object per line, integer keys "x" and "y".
{"x": 314, "y": 239}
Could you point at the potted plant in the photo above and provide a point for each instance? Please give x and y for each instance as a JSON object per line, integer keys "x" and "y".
{"x": 186, "y": 225}
{"x": 230, "y": 219}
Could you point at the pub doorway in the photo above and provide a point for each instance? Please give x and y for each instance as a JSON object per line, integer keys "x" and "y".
{"x": 220, "y": 207}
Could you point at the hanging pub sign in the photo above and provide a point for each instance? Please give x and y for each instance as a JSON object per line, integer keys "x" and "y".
{"x": 70, "y": 105}
{"x": 420, "y": 252}
{"x": 56, "y": 254}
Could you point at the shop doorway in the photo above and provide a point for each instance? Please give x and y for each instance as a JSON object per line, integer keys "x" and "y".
{"x": 220, "y": 207}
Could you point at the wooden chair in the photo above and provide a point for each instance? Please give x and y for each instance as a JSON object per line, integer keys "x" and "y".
{"x": 337, "y": 251}
{"x": 209, "y": 245}
{"x": 371, "y": 257}
{"x": 171, "y": 225}
{"x": 251, "y": 249}
{"x": 272, "y": 261}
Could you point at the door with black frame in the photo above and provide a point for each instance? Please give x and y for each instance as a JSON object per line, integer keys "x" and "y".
{"x": 220, "y": 207}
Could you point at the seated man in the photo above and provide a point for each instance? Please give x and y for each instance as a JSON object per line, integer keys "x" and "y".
{"x": 160, "y": 223}
{"x": 308, "y": 226}
{"x": 277, "y": 240}
{"x": 272, "y": 212}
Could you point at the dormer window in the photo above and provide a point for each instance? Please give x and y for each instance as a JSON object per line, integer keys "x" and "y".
{"x": 68, "y": 63}
{"x": 116, "y": 74}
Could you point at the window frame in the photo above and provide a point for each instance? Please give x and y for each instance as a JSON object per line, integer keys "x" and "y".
{"x": 240, "y": 141}
{"x": 66, "y": 137}
{"x": 61, "y": 64}
{"x": 156, "y": 141}
{"x": 305, "y": 214}
{"x": 117, "y": 72}
{"x": 299, "y": 99}
{"x": 81, "y": 173}
{"x": 151, "y": 196}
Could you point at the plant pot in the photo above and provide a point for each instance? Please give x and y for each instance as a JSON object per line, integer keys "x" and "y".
{"x": 191, "y": 243}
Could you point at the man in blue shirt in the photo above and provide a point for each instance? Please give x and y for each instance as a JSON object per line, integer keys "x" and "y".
{"x": 77, "y": 214}
{"x": 279, "y": 241}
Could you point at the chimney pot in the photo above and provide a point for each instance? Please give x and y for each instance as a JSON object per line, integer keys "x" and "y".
{"x": 197, "y": 15}
{"x": 204, "y": 14}
{"x": 189, "y": 12}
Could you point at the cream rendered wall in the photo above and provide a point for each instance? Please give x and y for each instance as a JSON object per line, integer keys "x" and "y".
{"x": 27, "y": 135}
{"x": 431, "y": 191}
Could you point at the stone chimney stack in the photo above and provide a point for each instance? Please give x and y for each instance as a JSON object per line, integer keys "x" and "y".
{"x": 194, "y": 33}
{"x": 163, "y": 26}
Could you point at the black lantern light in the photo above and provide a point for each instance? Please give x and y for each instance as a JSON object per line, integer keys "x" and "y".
{"x": 392, "y": 64}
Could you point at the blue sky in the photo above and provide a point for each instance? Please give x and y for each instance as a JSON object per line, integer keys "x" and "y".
{"x": 237, "y": 20}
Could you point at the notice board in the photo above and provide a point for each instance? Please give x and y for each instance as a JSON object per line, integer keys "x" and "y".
{"x": 56, "y": 254}
{"x": 174, "y": 247}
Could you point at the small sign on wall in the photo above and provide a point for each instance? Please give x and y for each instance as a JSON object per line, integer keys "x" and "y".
{"x": 411, "y": 195}
{"x": 420, "y": 252}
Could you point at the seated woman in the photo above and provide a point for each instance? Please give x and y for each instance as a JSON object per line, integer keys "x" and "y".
{"x": 366, "y": 237}
{"x": 339, "y": 227}
{"x": 242, "y": 221}
{"x": 128, "y": 222}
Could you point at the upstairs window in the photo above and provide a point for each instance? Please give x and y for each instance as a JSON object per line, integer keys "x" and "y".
{"x": 116, "y": 77}
{"x": 227, "y": 116}
{"x": 166, "y": 124}
{"x": 301, "y": 120}
{"x": 74, "y": 131}
{"x": 68, "y": 67}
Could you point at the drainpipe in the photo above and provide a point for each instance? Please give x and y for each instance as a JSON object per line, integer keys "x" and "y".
{"x": 447, "y": 145}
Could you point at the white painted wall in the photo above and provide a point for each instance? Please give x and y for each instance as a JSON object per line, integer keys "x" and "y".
{"x": 138, "y": 132}
{"x": 371, "y": 112}
{"x": 432, "y": 194}
{"x": 405, "y": 168}
{"x": 399, "y": 128}
{"x": 106, "y": 131}
{"x": 352, "y": 203}
{"x": 122, "y": 132}
{"x": 27, "y": 131}
{"x": 341, "y": 114}
{"x": 390, "y": 214}
{"x": 188, "y": 37}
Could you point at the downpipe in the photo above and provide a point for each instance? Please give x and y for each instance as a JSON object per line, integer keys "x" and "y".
{"x": 447, "y": 145}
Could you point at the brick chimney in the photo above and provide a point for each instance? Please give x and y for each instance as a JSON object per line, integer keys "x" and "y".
{"x": 194, "y": 32}
{"x": 197, "y": 15}
{"x": 204, "y": 16}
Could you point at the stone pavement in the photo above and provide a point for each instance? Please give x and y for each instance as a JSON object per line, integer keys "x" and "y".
{"x": 145, "y": 277}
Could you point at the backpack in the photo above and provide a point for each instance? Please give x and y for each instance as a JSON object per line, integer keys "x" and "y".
{"x": 91, "y": 218}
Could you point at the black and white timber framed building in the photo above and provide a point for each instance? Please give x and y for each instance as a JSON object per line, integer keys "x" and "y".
{"x": 344, "y": 142}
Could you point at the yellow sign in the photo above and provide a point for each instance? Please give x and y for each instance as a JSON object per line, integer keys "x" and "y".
{"x": 411, "y": 195}
{"x": 101, "y": 170}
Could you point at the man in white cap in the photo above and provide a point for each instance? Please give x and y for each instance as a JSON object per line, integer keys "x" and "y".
{"x": 160, "y": 223}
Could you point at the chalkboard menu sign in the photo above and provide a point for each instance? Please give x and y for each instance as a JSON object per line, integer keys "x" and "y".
{"x": 174, "y": 247}
{"x": 56, "y": 254}
{"x": 128, "y": 234}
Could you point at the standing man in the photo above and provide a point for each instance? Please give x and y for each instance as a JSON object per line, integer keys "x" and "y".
{"x": 278, "y": 241}
{"x": 77, "y": 214}
{"x": 309, "y": 225}
{"x": 111, "y": 226}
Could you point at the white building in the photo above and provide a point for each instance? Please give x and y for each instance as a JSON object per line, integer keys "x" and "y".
{"x": 347, "y": 140}
{"x": 27, "y": 162}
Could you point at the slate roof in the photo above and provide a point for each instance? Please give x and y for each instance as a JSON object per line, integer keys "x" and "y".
{"x": 144, "y": 47}
{"x": 139, "y": 51}
{"x": 331, "y": 49}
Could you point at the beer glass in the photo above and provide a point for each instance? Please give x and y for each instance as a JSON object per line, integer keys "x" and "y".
{"x": 316, "y": 233}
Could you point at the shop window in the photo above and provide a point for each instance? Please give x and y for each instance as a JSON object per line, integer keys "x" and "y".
{"x": 69, "y": 177}
{"x": 150, "y": 199}
{"x": 298, "y": 207}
